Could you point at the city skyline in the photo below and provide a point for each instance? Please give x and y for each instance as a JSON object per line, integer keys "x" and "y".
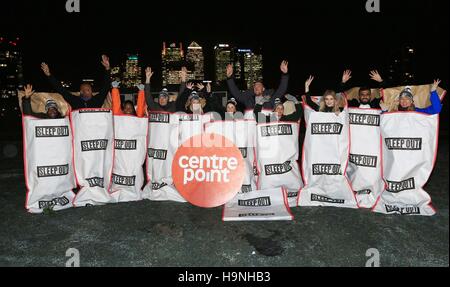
{"x": 359, "y": 41}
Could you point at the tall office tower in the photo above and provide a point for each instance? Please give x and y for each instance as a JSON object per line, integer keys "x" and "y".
{"x": 132, "y": 73}
{"x": 195, "y": 60}
{"x": 248, "y": 67}
{"x": 11, "y": 77}
{"x": 172, "y": 60}
{"x": 223, "y": 55}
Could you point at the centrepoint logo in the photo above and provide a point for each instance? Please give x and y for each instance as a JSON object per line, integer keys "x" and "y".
{"x": 195, "y": 168}
{"x": 208, "y": 170}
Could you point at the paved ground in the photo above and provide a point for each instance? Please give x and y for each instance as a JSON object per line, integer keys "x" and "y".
{"x": 170, "y": 234}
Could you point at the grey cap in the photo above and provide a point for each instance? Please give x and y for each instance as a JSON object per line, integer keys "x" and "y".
{"x": 50, "y": 104}
{"x": 164, "y": 93}
{"x": 406, "y": 93}
{"x": 232, "y": 101}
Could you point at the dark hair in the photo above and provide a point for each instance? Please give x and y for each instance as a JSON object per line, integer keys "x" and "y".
{"x": 365, "y": 89}
{"x": 129, "y": 103}
{"x": 86, "y": 84}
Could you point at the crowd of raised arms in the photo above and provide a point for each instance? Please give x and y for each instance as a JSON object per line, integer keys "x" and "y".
{"x": 197, "y": 98}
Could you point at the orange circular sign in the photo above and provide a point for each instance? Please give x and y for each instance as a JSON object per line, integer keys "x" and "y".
{"x": 208, "y": 170}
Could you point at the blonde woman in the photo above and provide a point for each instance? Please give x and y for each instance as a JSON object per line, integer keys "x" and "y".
{"x": 329, "y": 103}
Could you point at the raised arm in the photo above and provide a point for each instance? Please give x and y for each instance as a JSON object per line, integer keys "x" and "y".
{"x": 148, "y": 91}
{"x": 26, "y": 100}
{"x": 343, "y": 85}
{"x": 182, "y": 98}
{"x": 106, "y": 81}
{"x": 436, "y": 105}
{"x": 242, "y": 97}
{"x": 56, "y": 85}
{"x": 282, "y": 88}
{"x": 374, "y": 75}
{"x": 116, "y": 102}
{"x": 309, "y": 101}
{"x": 140, "y": 112}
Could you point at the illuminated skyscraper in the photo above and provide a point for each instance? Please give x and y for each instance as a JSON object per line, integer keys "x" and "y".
{"x": 222, "y": 57}
{"x": 172, "y": 60}
{"x": 132, "y": 73}
{"x": 11, "y": 77}
{"x": 248, "y": 67}
{"x": 195, "y": 59}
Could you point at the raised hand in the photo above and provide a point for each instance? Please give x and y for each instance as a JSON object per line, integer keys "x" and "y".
{"x": 183, "y": 74}
{"x": 190, "y": 85}
{"x": 200, "y": 86}
{"x": 284, "y": 67}
{"x": 28, "y": 89}
{"x": 105, "y": 62}
{"x": 45, "y": 69}
{"x": 346, "y": 76}
{"x": 208, "y": 88}
{"x": 140, "y": 87}
{"x": 435, "y": 85}
{"x": 115, "y": 84}
{"x": 374, "y": 75}
{"x": 229, "y": 70}
{"x": 308, "y": 83}
{"x": 148, "y": 74}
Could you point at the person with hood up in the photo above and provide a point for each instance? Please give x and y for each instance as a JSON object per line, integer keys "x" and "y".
{"x": 278, "y": 112}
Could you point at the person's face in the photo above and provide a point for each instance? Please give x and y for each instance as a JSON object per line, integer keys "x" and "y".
{"x": 258, "y": 89}
{"x": 86, "y": 91}
{"x": 231, "y": 108}
{"x": 364, "y": 97}
{"x": 405, "y": 102}
{"x": 128, "y": 109}
{"x": 196, "y": 106}
{"x": 163, "y": 101}
{"x": 279, "y": 110}
{"x": 329, "y": 101}
{"x": 52, "y": 113}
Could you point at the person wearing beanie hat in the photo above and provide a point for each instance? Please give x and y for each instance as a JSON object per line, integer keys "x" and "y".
{"x": 406, "y": 101}
{"x": 278, "y": 112}
{"x": 162, "y": 104}
{"x": 193, "y": 101}
{"x": 231, "y": 106}
{"x": 51, "y": 107}
{"x": 248, "y": 98}
{"x": 231, "y": 112}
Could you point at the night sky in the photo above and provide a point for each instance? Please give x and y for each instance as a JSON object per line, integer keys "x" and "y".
{"x": 317, "y": 37}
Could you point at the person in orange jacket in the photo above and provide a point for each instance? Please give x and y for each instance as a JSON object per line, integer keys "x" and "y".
{"x": 128, "y": 107}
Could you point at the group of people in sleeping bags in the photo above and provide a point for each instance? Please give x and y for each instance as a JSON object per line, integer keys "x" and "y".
{"x": 363, "y": 147}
